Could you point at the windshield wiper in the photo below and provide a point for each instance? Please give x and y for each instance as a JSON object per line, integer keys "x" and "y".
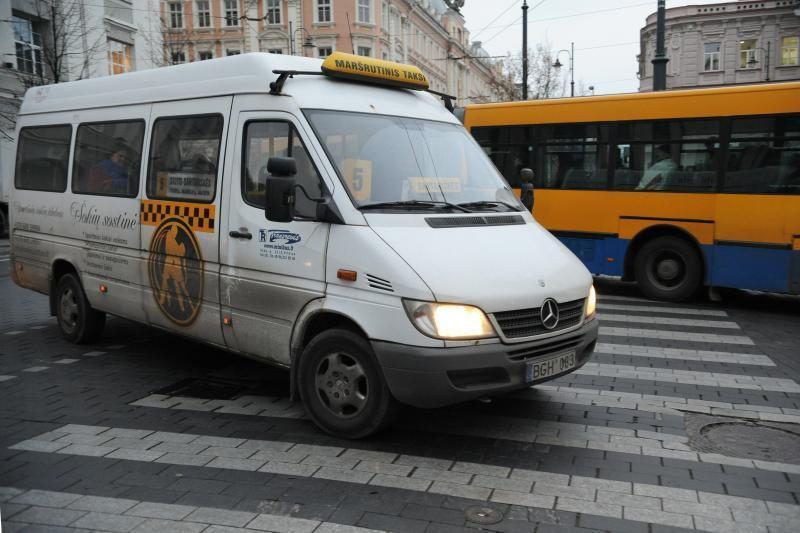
{"x": 415, "y": 204}
{"x": 485, "y": 203}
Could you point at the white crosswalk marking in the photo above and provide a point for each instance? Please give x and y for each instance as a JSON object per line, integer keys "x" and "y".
{"x": 472, "y": 480}
{"x": 696, "y": 323}
{"x": 686, "y": 354}
{"x": 675, "y": 335}
{"x": 660, "y": 309}
{"x": 691, "y": 377}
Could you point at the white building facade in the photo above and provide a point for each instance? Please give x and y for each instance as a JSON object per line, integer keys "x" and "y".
{"x": 725, "y": 44}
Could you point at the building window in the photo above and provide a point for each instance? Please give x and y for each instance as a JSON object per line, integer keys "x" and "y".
{"x": 324, "y": 51}
{"x": 365, "y": 11}
{"x": 711, "y": 56}
{"x": 178, "y": 58}
{"x": 747, "y": 53}
{"x": 120, "y": 57}
{"x": 324, "y": 10}
{"x": 29, "y": 46}
{"x": 384, "y": 16}
{"x": 273, "y": 12}
{"x": 205, "y": 55}
{"x": 203, "y": 14}
{"x": 231, "y": 12}
{"x": 176, "y": 14}
{"x": 789, "y": 48}
{"x": 365, "y": 51}
{"x": 275, "y": 50}
{"x": 230, "y": 52}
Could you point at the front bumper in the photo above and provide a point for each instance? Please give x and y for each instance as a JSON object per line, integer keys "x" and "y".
{"x": 434, "y": 377}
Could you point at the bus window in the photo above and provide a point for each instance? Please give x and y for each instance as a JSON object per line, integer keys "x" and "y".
{"x": 764, "y": 156}
{"x": 511, "y": 148}
{"x": 184, "y": 157}
{"x": 108, "y": 158}
{"x": 575, "y": 156}
{"x": 667, "y": 156}
{"x": 43, "y": 158}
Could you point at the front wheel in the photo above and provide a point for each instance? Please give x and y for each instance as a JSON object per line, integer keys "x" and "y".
{"x": 342, "y": 386}
{"x": 79, "y": 323}
{"x": 669, "y": 268}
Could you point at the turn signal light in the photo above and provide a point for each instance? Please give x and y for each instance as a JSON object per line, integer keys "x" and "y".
{"x": 227, "y": 321}
{"x": 347, "y": 275}
{"x": 103, "y": 289}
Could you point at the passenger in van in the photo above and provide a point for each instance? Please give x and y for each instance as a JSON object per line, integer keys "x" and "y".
{"x": 656, "y": 177}
{"x": 111, "y": 174}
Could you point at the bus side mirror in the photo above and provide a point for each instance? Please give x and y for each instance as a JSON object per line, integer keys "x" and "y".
{"x": 280, "y": 186}
{"x": 526, "y": 177}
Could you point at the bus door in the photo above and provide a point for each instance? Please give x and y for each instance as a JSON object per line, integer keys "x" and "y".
{"x": 179, "y": 216}
{"x": 270, "y": 270}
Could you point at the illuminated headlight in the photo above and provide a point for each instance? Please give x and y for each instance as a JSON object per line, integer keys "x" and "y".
{"x": 591, "y": 303}
{"x": 449, "y": 321}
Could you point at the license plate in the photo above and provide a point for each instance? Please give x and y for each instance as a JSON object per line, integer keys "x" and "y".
{"x": 551, "y": 366}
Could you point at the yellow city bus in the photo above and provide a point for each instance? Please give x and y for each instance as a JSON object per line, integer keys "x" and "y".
{"x": 674, "y": 189}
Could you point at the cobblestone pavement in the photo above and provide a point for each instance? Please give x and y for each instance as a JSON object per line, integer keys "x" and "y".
{"x": 145, "y": 431}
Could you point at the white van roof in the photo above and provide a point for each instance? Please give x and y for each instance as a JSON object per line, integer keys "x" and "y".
{"x": 240, "y": 74}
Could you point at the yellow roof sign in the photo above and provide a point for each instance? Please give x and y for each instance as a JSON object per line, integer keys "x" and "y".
{"x": 353, "y": 67}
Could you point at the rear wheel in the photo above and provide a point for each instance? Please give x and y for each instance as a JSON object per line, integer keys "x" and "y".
{"x": 669, "y": 268}
{"x": 79, "y": 323}
{"x": 342, "y": 387}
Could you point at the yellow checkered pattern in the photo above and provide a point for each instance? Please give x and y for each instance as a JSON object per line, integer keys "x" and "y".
{"x": 198, "y": 217}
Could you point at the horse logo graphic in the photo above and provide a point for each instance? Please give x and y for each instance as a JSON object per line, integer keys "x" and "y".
{"x": 175, "y": 269}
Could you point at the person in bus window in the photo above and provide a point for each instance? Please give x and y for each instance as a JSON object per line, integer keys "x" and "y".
{"x": 655, "y": 177}
{"x": 111, "y": 174}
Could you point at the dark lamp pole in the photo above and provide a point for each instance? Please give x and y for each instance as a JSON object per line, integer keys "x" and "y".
{"x": 558, "y": 65}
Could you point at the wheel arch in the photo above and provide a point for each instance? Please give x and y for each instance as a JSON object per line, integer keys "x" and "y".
{"x": 653, "y": 232}
{"x": 59, "y": 269}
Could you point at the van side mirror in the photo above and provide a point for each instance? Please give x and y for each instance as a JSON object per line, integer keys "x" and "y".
{"x": 526, "y": 177}
{"x": 279, "y": 205}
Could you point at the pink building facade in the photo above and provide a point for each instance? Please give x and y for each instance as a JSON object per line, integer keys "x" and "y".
{"x": 425, "y": 33}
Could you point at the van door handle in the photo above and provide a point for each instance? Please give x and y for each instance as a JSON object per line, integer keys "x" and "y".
{"x": 241, "y": 234}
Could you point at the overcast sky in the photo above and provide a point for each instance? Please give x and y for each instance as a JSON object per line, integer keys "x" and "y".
{"x": 606, "y": 34}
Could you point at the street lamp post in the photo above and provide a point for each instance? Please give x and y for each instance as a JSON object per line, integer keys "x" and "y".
{"x": 308, "y": 44}
{"x": 558, "y": 65}
{"x": 753, "y": 62}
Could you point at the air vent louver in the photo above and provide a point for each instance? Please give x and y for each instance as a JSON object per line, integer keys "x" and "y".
{"x": 379, "y": 283}
{"x": 474, "y": 221}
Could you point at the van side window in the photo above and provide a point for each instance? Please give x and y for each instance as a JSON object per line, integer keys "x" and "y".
{"x": 108, "y": 157}
{"x": 43, "y": 158}
{"x": 265, "y": 139}
{"x": 184, "y": 158}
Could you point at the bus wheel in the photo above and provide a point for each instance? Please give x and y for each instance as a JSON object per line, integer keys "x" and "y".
{"x": 668, "y": 268}
{"x": 79, "y": 323}
{"x": 342, "y": 387}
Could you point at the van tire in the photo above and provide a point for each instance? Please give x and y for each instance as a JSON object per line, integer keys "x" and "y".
{"x": 342, "y": 386}
{"x": 668, "y": 268}
{"x": 78, "y": 321}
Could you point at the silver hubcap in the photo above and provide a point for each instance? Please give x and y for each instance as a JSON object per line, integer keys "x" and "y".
{"x": 68, "y": 309}
{"x": 342, "y": 385}
{"x": 668, "y": 269}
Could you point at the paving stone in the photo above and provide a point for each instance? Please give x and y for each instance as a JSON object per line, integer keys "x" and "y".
{"x": 584, "y": 507}
{"x": 629, "y": 500}
{"x": 289, "y": 469}
{"x": 457, "y": 478}
{"x": 235, "y": 464}
{"x": 48, "y": 516}
{"x": 392, "y": 523}
{"x": 160, "y": 510}
{"x": 433, "y": 514}
{"x": 7, "y": 510}
{"x": 665, "y": 492}
{"x": 221, "y": 517}
{"x": 339, "y": 474}
{"x": 424, "y": 462}
{"x": 378, "y": 467}
{"x": 614, "y": 525}
{"x": 516, "y": 485}
{"x": 527, "y": 500}
{"x": 329, "y": 527}
{"x": 108, "y": 522}
{"x": 145, "y": 456}
{"x": 183, "y": 459}
{"x": 487, "y": 470}
{"x": 400, "y": 482}
{"x": 282, "y": 524}
{"x": 154, "y": 525}
{"x": 462, "y": 491}
{"x": 580, "y": 493}
{"x": 102, "y": 504}
{"x": 45, "y": 498}
{"x": 39, "y": 446}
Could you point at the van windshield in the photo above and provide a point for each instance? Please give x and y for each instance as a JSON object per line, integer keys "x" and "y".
{"x": 395, "y": 162}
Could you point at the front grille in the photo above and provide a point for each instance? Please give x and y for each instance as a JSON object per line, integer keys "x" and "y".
{"x": 560, "y": 345}
{"x": 528, "y": 322}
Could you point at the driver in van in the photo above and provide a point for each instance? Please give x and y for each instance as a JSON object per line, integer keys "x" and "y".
{"x": 111, "y": 174}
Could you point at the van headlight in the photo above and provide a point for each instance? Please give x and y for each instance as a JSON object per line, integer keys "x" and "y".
{"x": 449, "y": 321}
{"x": 591, "y": 303}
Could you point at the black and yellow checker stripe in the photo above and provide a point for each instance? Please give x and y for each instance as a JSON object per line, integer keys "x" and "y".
{"x": 198, "y": 217}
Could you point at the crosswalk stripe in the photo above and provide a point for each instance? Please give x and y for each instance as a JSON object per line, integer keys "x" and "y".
{"x": 40, "y": 507}
{"x": 685, "y": 354}
{"x": 640, "y": 319}
{"x": 690, "y": 377}
{"x": 675, "y": 405}
{"x": 475, "y": 481}
{"x": 675, "y": 335}
{"x": 660, "y": 309}
{"x": 545, "y": 432}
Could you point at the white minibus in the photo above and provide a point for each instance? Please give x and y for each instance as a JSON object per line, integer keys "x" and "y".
{"x": 333, "y": 218}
